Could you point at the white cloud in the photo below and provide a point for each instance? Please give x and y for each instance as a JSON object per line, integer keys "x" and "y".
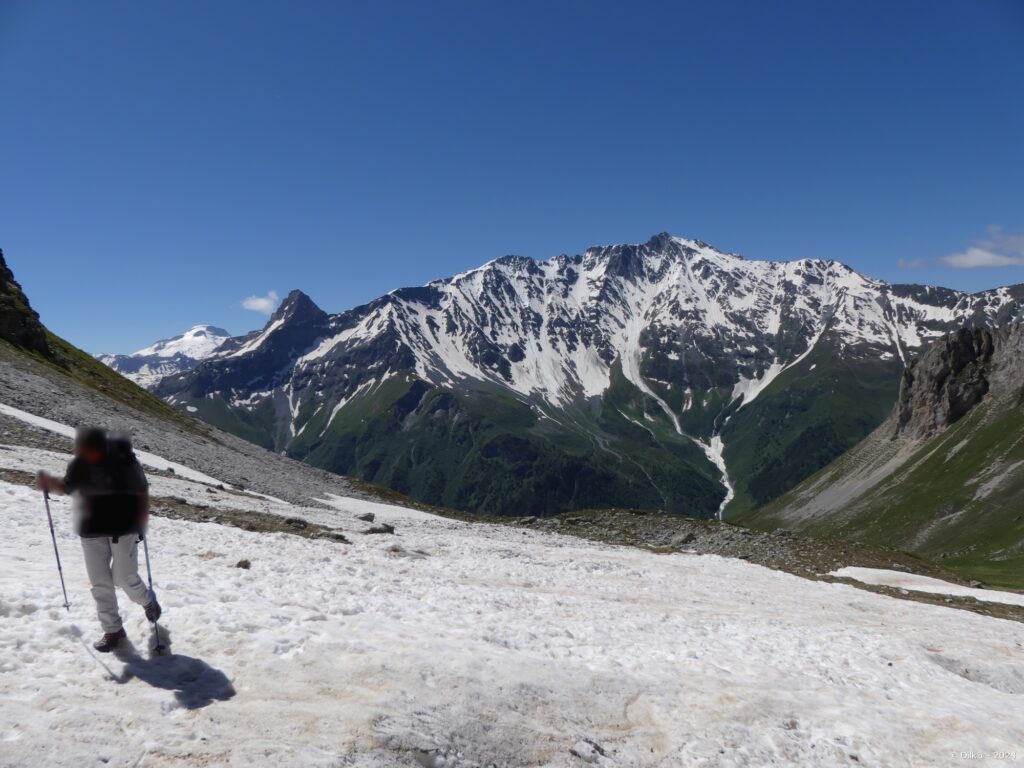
{"x": 265, "y": 305}
{"x": 997, "y": 250}
{"x": 975, "y": 257}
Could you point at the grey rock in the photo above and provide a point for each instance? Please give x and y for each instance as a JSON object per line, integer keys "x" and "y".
{"x": 334, "y": 536}
{"x": 943, "y": 384}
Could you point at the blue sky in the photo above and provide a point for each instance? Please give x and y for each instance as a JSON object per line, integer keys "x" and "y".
{"x": 163, "y": 161}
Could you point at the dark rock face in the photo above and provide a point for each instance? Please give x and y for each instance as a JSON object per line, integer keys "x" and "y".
{"x": 942, "y": 385}
{"x": 19, "y": 323}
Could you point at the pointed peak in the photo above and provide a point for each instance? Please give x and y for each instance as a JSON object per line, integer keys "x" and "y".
{"x": 663, "y": 241}
{"x": 294, "y": 299}
{"x": 297, "y": 306}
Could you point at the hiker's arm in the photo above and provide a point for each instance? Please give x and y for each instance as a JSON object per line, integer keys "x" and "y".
{"x": 50, "y": 484}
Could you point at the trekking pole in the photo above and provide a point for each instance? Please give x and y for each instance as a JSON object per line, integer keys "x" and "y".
{"x": 152, "y": 595}
{"x": 56, "y": 552}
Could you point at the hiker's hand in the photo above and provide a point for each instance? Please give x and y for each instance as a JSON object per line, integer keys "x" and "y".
{"x": 43, "y": 481}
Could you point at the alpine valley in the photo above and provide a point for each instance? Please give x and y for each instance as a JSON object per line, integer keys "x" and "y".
{"x": 666, "y": 375}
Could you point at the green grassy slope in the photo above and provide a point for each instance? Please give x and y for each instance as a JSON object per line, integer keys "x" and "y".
{"x": 957, "y": 498}
{"x": 808, "y": 416}
{"x": 488, "y": 452}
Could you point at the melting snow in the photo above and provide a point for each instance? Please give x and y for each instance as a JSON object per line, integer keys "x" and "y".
{"x": 915, "y": 583}
{"x": 466, "y": 645}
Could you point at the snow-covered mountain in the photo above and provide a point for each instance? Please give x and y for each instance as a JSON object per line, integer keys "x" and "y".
{"x": 168, "y": 356}
{"x": 668, "y": 373}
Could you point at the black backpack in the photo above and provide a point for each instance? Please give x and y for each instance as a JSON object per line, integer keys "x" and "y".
{"x": 114, "y": 509}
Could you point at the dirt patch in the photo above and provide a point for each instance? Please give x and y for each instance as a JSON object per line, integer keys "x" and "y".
{"x": 256, "y": 522}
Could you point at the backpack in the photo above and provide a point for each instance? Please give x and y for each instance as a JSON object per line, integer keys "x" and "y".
{"x": 114, "y": 509}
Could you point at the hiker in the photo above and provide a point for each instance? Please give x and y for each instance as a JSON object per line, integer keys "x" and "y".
{"x": 111, "y": 504}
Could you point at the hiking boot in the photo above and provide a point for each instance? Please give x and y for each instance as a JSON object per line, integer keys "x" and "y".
{"x": 153, "y": 610}
{"x": 110, "y": 641}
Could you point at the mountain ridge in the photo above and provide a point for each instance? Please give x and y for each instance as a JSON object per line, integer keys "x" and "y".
{"x": 663, "y": 347}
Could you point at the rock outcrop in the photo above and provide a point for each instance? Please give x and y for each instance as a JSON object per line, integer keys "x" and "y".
{"x": 953, "y": 376}
{"x": 19, "y": 323}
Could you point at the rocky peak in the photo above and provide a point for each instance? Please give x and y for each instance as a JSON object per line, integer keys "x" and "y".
{"x": 297, "y": 307}
{"x": 19, "y": 323}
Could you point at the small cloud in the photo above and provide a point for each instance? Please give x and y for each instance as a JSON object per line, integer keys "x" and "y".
{"x": 973, "y": 258}
{"x": 265, "y": 305}
{"x": 913, "y": 263}
{"x": 997, "y": 250}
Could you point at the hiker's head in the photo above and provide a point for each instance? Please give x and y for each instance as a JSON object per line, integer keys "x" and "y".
{"x": 91, "y": 444}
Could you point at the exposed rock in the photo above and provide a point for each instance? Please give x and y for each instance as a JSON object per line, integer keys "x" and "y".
{"x": 942, "y": 385}
{"x": 243, "y": 564}
{"x": 397, "y": 551}
{"x": 19, "y": 323}
{"x": 367, "y": 517}
{"x": 333, "y": 536}
{"x": 589, "y": 752}
{"x": 380, "y": 528}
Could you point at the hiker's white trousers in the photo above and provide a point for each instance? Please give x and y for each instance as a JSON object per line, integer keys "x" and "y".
{"x": 111, "y": 565}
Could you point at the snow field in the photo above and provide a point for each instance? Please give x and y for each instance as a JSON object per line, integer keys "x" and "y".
{"x": 459, "y": 645}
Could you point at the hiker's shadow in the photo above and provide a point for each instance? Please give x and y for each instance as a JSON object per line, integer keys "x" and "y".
{"x": 195, "y": 683}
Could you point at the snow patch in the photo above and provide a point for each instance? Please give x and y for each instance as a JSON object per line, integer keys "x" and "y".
{"x": 914, "y": 583}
